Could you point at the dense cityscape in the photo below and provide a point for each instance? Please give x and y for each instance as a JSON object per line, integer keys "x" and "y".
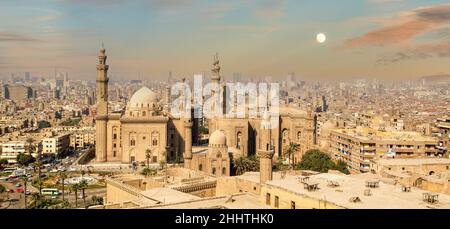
{"x": 393, "y": 133}
{"x": 329, "y": 132}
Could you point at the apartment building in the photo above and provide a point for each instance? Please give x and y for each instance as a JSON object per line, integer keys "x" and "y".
{"x": 358, "y": 146}
{"x": 55, "y": 144}
{"x": 81, "y": 139}
{"x": 11, "y": 149}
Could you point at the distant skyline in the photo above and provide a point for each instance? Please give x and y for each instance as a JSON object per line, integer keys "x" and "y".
{"x": 382, "y": 39}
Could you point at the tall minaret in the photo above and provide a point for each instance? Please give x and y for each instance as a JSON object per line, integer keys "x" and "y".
{"x": 102, "y": 107}
{"x": 187, "y": 156}
{"x": 266, "y": 150}
{"x": 215, "y": 78}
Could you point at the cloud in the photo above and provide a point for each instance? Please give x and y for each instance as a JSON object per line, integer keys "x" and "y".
{"x": 15, "y": 37}
{"x": 403, "y": 33}
{"x": 405, "y": 28}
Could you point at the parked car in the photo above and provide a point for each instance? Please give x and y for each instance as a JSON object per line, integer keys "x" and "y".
{"x": 10, "y": 191}
{"x": 18, "y": 185}
{"x": 20, "y": 190}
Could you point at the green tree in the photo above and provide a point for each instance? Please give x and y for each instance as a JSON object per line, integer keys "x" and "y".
{"x": 62, "y": 177}
{"x": 2, "y": 189}
{"x": 3, "y": 163}
{"x": 82, "y": 185}
{"x": 148, "y": 172}
{"x": 36, "y": 198}
{"x": 290, "y": 151}
{"x": 342, "y": 167}
{"x": 30, "y": 147}
{"x": 148, "y": 155}
{"x": 37, "y": 182}
{"x": 70, "y": 122}
{"x": 25, "y": 159}
{"x": 74, "y": 188}
{"x": 44, "y": 124}
{"x": 245, "y": 164}
{"x": 318, "y": 161}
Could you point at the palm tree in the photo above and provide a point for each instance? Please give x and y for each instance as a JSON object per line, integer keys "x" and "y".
{"x": 24, "y": 179}
{"x": 148, "y": 155}
{"x": 36, "y": 197}
{"x": 38, "y": 182}
{"x": 62, "y": 177}
{"x": 75, "y": 187}
{"x": 37, "y": 164}
{"x": 30, "y": 147}
{"x": 83, "y": 185}
{"x": 290, "y": 151}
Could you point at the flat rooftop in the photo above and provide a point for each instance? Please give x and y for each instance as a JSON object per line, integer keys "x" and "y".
{"x": 237, "y": 201}
{"x": 168, "y": 195}
{"x": 366, "y": 133}
{"x": 386, "y": 196}
{"x": 413, "y": 161}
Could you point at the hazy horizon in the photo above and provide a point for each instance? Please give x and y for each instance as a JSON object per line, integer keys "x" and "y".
{"x": 372, "y": 39}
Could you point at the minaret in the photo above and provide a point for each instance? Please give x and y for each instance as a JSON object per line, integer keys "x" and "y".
{"x": 187, "y": 142}
{"x": 102, "y": 107}
{"x": 215, "y": 78}
{"x": 266, "y": 150}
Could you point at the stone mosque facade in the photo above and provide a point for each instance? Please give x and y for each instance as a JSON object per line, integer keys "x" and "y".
{"x": 143, "y": 127}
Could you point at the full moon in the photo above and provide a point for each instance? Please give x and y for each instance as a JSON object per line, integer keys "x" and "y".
{"x": 321, "y": 38}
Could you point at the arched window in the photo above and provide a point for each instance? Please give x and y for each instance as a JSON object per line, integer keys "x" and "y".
{"x": 299, "y": 135}
{"x": 155, "y": 138}
{"x": 285, "y": 136}
{"x": 238, "y": 140}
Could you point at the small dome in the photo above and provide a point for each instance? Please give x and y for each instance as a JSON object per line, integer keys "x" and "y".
{"x": 144, "y": 97}
{"x": 218, "y": 138}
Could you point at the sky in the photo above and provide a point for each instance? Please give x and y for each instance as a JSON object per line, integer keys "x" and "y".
{"x": 382, "y": 39}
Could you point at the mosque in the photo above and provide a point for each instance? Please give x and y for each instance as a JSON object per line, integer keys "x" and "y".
{"x": 145, "y": 130}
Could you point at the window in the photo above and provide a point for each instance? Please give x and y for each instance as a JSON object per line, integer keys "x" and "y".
{"x": 133, "y": 142}
{"x": 114, "y": 145}
{"x": 224, "y": 171}
{"x": 114, "y": 136}
{"x": 238, "y": 140}
{"x": 277, "y": 200}
{"x": 292, "y": 205}
{"x": 155, "y": 137}
{"x": 214, "y": 171}
{"x": 200, "y": 167}
{"x": 267, "y": 198}
{"x": 114, "y": 153}
{"x": 143, "y": 114}
{"x": 154, "y": 159}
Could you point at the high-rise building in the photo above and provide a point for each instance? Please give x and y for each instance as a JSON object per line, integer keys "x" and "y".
{"x": 17, "y": 92}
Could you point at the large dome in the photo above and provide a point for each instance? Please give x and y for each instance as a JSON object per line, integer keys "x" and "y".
{"x": 143, "y": 97}
{"x": 217, "y": 138}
